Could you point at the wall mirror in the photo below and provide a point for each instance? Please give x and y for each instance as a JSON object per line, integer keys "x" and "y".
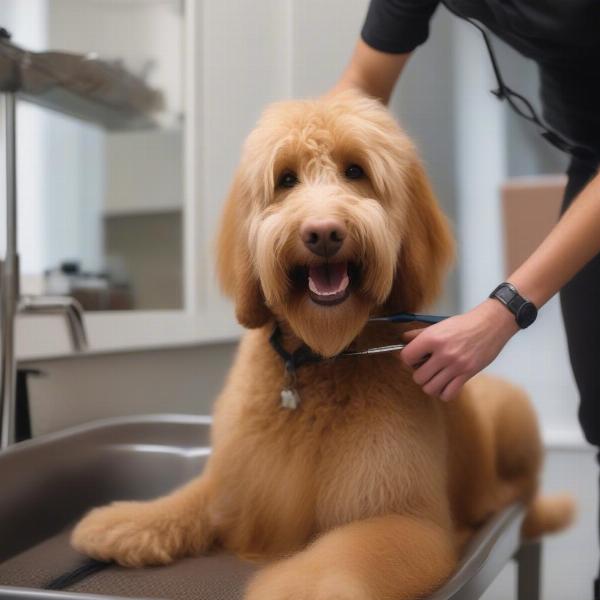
{"x": 100, "y": 149}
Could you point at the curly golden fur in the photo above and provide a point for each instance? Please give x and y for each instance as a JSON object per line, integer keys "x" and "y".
{"x": 370, "y": 487}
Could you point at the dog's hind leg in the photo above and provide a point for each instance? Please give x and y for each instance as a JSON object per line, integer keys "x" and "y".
{"x": 156, "y": 532}
{"x": 518, "y": 442}
{"x": 519, "y": 461}
{"x": 500, "y": 455}
{"x": 390, "y": 557}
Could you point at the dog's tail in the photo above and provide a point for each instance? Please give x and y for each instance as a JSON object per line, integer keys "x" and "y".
{"x": 548, "y": 514}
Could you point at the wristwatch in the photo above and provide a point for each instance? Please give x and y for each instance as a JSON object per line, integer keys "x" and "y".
{"x": 525, "y": 311}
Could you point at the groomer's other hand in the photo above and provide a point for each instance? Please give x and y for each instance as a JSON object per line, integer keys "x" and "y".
{"x": 446, "y": 355}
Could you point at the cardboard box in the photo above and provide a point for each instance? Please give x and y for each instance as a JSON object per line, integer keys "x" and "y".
{"x": 530, "y": 208}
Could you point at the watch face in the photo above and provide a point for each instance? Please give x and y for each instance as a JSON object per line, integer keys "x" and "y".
{"x": 526, "y": 315}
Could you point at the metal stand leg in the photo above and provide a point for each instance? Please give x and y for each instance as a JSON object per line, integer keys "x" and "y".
{"x": 10, "y": 299}
{"x": 529, "y": 571}
{"x": 9, "y": 283}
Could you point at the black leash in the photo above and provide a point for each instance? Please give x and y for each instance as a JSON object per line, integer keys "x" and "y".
{"x": 85, "y": 569}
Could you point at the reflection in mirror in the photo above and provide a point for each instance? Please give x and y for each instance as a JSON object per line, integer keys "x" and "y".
{"x": 99, "y": 149}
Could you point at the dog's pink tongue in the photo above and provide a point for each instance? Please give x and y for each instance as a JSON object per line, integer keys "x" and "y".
{"x": 328, "y": 279}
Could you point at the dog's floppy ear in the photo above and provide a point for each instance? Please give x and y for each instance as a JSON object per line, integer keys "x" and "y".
{"x": 427, "y": 246}
{"x": 234, "y": 263}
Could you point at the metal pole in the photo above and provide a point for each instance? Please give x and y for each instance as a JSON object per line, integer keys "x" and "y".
{"x": 9, "y": 281}
{"x": 529, "y": 571}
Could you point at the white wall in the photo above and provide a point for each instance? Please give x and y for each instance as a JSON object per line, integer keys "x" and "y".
{"x": 481, "y": 167}
{"x": 425, "y": 103}
{"x": 143, "y": 171}
{"x": 71, "y": 176}
{"x": 243, "y": 65}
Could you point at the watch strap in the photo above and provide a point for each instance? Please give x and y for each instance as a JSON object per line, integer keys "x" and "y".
{"x": 523, "y": 309}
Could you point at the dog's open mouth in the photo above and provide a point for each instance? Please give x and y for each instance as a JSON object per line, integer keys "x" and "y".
{"x": 328, "y": 283}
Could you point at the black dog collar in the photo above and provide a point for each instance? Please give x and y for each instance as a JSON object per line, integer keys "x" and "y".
{"x": 304, "y": 355}
{"x": 292, "y": 361}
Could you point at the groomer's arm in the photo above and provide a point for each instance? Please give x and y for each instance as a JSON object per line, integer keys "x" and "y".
{"x": 573, "y": 242}
{"x": 463, "y": 345}
{"x": 372, "y": 72}
{"x": 391, "y": 31}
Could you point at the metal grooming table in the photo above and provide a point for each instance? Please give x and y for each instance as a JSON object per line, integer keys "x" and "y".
{"x": 47, "y": 483}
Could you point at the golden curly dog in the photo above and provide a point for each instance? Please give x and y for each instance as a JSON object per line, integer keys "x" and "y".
{"x": 369, "y": 488}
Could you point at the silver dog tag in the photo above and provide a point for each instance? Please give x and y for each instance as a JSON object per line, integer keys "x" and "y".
{"x": 290, "y": 399}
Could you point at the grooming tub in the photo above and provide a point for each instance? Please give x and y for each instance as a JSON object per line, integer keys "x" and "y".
{"x": 48, "y": 483}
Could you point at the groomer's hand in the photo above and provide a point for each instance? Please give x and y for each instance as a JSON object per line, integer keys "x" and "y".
{"x": 446, "y": 355}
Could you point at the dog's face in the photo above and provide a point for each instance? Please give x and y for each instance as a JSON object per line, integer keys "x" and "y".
{"x": 330, "y": 218}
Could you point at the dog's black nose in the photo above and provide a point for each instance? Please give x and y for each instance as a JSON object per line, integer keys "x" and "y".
{"x": 323, "y": 237}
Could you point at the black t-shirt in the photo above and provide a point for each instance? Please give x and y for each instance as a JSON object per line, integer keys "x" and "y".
{"x": 562, "y": 36}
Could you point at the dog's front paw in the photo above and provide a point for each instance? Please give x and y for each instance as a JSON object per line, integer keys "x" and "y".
{"x": 135, "y": 534}
{"x": 297, "y": 579}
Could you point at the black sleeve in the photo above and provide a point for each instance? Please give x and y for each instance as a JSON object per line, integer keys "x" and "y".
{"x": 397, "y": 26}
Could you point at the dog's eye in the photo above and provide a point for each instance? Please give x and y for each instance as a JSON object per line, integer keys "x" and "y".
{"x": 354, "y": 172}
{"x": 288, "y": 179}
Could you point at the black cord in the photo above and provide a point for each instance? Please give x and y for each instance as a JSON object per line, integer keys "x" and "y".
{"x": 504, "y": 92}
